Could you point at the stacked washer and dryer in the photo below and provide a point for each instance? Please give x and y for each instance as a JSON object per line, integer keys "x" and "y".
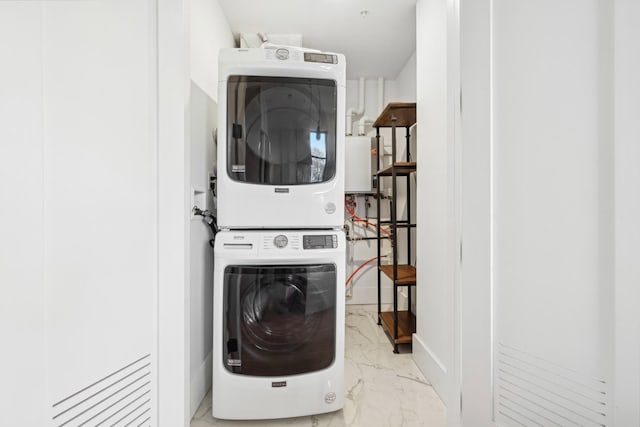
{"x": 279, "y": 268}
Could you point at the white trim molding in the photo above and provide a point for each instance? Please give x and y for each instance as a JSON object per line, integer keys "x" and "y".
{"x": 432, "y": 367}
{"x": 173, "y": 214}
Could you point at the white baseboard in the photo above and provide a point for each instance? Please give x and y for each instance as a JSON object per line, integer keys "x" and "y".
{"x": 200, "y": 384}
{"x": 369, "y": 295}
{"x": 432, "y": 368}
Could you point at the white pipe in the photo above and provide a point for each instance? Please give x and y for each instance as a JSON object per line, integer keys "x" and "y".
{"x": 351, "y": 111}
{"x": 362, "y": 123}
{"x": 366, "y": 119}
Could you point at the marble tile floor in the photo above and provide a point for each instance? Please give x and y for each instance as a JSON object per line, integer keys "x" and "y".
{"x": 382, "y": 388}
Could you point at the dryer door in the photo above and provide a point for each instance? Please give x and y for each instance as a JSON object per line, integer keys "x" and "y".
{"x": 281, "y": 130}
{"x": 279, "y": 320}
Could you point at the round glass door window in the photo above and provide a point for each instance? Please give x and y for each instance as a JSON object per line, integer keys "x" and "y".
{"x": 281, "y": 130}
{"x": 279, "y": 320}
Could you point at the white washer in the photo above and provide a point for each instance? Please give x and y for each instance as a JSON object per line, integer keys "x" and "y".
{"x": 280, "y": 139}
{"x": 278, "y": 324}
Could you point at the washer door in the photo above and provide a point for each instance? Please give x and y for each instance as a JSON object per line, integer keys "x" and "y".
{"x": 279, "y": 320}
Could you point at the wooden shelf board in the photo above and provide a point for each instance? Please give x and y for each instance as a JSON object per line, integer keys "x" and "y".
{"x": 404, "y": 112}
{"x": 406, "y": 273}
{"x": 406, "y": 325}
{"x": 401, "y": 168}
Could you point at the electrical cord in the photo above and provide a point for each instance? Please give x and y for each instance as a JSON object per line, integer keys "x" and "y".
{"x": 211, "y": 221}
{"x": 360, "y": 267}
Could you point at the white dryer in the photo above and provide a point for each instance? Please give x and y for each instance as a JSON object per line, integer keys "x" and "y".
{"x": 278, "y": 332}
{"x": 280, "y": 139}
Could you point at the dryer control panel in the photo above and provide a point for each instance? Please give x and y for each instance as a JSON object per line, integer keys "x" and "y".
{"x": 322, "y": 241}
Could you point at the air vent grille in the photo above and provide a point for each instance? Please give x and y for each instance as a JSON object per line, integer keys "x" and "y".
{"x": 120, "y": 399}
{"x": 531, "y": 391}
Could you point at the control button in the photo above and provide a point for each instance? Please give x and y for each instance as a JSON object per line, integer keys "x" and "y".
{"x": 280, "y": 241}
{"x": 282, "y": 53}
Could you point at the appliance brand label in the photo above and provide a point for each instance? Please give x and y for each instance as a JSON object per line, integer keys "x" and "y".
{"x": 330, "y": 208}
{"x": 234, "y": 362}
{"x": 279, "y": 384}
{"x": 238, "y": 168}
{"x": 281, "y": 190}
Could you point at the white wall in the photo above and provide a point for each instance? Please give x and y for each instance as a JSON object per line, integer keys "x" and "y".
{"x": 173, "y": 212}
{"x": 202, "y": 118}
{"x": 405, "y": 82}
{"x": 209, "y": 32}
{"x": 79, "y": 192}
{"x": 363, "y": 287}
{"x": 401, "y": 89}
{"x": 433, "y": 341}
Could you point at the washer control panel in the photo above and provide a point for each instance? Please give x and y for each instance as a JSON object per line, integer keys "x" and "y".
{"x": 322, "y": 241}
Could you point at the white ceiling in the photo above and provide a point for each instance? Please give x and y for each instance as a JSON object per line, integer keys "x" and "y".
{"x": 376, "y": 45}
